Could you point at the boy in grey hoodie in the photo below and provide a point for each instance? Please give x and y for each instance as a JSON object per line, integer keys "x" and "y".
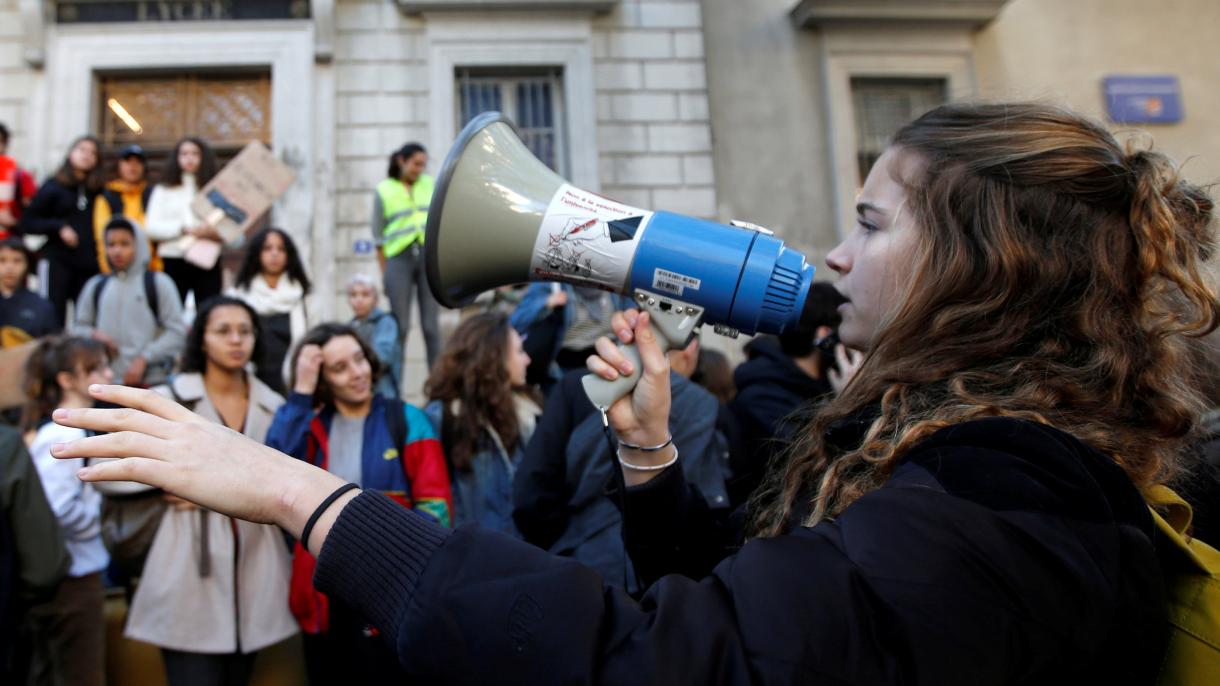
{"x": 144, "y": 339}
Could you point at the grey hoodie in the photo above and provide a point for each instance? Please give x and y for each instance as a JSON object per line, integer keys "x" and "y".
{"x": 123, "y": 314}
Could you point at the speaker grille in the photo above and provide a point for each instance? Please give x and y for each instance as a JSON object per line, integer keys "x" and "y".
{"x": 780, "y": 298}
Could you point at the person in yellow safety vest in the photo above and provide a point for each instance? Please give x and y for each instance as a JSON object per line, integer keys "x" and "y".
{"x": 126, "y": 195}
{"x": 400, "y": 213}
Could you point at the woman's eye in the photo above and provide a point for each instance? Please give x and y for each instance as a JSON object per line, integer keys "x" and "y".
{"x": 868, "y": 227}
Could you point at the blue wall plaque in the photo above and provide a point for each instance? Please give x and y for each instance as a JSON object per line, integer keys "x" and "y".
{"x": 1143, "y": 99}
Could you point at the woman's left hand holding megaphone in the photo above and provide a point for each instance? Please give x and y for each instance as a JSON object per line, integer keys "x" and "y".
{"x": 165, "y": 445}
{"x": 642, "y": 417}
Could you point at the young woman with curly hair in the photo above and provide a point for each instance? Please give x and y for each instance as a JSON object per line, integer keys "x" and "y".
{"x": 484, "y": 413}
{"x": 967, "y": 511}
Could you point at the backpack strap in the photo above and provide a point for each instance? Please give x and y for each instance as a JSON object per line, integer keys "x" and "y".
{"x": 188, "y": 404}
{"x": 448, "y": 437}
{"x": 150, "y": 295}
{"x": 148, "y": 189}
{"x": 114, "y": 200}
{"x": 97, "y": 295}
{"x": 396, "y": 421}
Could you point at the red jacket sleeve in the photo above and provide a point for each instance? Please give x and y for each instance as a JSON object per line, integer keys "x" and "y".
{"x": 424, "y": 461}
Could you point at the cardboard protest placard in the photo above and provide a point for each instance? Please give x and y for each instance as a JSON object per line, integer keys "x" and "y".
{"x": 236, "y": 197}
{"x": 12, "y": 372}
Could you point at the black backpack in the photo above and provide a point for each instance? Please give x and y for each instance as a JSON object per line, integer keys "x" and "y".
{"x": 150, "y": 294}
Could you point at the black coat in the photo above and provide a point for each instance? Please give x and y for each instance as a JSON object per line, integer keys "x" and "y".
{"x": 55, "y": 205}
{"x": 999, "y": 552}
{"x": 772, "y": 392}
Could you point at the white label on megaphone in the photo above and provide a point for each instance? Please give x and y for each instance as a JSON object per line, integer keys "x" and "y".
{"x": 587, "y": 240}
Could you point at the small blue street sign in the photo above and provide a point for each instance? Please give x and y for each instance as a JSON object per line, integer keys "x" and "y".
{"x": 1143, "y": 99}
{"x": 362, "y": 247}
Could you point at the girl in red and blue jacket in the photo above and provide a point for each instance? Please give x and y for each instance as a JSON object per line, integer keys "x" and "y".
{"x": 334, "y": 420}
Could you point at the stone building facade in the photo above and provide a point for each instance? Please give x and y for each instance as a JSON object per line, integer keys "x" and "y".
{"x": 345, "y": 82}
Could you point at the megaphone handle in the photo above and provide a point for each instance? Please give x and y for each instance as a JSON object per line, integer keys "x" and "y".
{"x": 674, "y": 323}
{"x": 603, "y": 393}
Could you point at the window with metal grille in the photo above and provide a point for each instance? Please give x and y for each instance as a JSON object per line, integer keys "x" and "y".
{"x": 532, "y": 98}
{"x": 884, "y": 105}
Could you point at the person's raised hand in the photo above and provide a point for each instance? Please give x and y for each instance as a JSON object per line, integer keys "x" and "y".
{"x": 309, "y": 367}
{"x": 67, "y": 234}
{"x": 105, "y": 339}
{"x": 557, "y": 299}
{"x": 849, "y": 362}
{"x": 134, "y": 376}
{"x": 642, "y": 417}
{"x": 167, "y": 446}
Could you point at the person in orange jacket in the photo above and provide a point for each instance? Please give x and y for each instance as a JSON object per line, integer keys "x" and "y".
{"x": 126, "y": 195}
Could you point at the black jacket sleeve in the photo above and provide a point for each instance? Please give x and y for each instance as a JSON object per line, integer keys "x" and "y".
{"x": 541, "y": 492}
{"x": 1024, "y": 576}
{"x": 45, "y": 215}
{"x": 669, "y": 529}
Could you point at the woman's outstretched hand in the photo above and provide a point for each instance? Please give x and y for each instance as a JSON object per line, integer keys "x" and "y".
{"x": 165, "y": 445}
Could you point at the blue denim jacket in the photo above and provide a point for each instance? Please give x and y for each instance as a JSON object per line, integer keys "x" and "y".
{"x": 484, "y": 494}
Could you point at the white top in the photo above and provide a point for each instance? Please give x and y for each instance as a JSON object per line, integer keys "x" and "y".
{"x": 76, "y": 504}
{"x": 168, "y": 214}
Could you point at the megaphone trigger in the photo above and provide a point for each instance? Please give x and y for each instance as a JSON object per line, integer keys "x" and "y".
{"x": 674, "y": 322}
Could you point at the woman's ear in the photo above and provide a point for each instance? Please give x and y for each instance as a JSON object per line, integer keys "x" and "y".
{"x": 66, "y": 381}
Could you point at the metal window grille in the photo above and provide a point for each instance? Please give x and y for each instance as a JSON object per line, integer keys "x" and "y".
{"x": 101, "y": 11}
{"x": 884, "y": 105}
{"x": 532, "y": 99}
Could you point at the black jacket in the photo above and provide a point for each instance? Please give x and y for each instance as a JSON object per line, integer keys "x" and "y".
{"x": 541, "y": 492}
{"x": 770, "y": 389}
{"x": 544, "y": 485}
{"x": 1000, "y": 552}
{"x": 55, "y": 205}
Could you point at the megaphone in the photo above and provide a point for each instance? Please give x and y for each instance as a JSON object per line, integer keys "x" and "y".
{"x": 500, "y": 216}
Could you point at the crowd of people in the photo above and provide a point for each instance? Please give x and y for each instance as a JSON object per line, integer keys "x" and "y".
{"x": 960, "y": 496}
{"x": 986, "y": 501}
{"x": 507, "y": 439}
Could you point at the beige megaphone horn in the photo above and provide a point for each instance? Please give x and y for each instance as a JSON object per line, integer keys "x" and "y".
{"x": 500, "y": 216}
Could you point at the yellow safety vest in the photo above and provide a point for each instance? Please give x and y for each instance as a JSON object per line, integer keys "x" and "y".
{"x": 406, "y": 212}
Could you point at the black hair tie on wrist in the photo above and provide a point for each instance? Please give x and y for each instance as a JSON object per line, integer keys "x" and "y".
{"x": 317, "y": 514}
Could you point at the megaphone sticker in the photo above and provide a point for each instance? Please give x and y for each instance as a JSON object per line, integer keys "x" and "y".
{"x": 587, "y": 239}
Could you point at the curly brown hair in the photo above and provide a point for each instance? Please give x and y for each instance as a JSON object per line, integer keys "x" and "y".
{"x": 1068, "y": 283}
{"x": 472, "y": 371}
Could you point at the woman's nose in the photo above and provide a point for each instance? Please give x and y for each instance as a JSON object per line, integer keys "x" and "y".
{"x": 839, "y": 259}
